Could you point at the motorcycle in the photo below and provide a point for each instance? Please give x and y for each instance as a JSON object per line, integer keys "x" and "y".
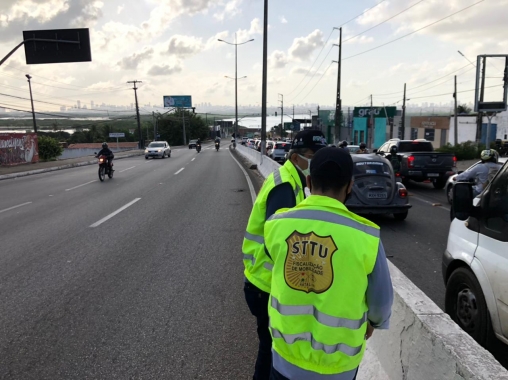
{"x": 217, "y": 146}
{"x": 104, "y": 168}
{"x": 198, "y": 148}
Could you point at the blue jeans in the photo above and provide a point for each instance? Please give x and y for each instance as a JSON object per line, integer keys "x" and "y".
{"x": 257, "y": 300}
{"x": 274, "y": 375}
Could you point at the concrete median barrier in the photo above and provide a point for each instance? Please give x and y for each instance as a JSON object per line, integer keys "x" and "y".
{"x": 423, "y": 343}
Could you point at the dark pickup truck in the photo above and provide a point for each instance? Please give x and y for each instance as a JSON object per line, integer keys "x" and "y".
{"x": 419, "y": 162}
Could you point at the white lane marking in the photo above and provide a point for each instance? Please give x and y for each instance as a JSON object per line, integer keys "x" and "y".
{"x": 249, "y": 182}
{"x": 13, "y": 207}
{"x": 75, "y": 187}
{"x": 179, "y": 171}
{"x": 121, "y": 171}
{"x": 430, "y": 203}
{"x": 114, "y": 213}
{"x": 193, "y": 159}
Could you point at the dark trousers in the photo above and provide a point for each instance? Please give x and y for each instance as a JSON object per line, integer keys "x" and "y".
{"x": 257, "y": 300}
{"x": 274, "y": 375}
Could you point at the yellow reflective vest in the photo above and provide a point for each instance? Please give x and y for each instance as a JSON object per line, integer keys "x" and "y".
{"x": 322, "y": 254}
{"x": 257, "y": 264}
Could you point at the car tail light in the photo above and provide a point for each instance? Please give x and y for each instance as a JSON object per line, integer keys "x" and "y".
{"x": 454, "y": 161}
{"x": 397, "y": 174}
{"x": 411, "y": 161}
{"x": 403, "y": 193}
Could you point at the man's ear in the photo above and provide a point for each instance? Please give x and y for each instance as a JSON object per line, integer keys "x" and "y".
{"x": 309, "y": 183}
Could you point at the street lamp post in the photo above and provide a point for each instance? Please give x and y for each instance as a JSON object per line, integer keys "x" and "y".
{"x": 32, "y": 101}
{"x": 236, "y": 80}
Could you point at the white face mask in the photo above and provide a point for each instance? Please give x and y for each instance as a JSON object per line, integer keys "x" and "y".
{"x": 305, "y": 172}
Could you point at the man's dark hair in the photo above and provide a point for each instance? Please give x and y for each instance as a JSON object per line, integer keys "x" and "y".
{"x": 329, "y": 178}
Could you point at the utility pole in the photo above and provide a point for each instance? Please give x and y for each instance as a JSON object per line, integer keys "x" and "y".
{"x": 32, "y": 101}
{"x": 455, "y": 130}
{"x": 281, "y": 115}
{"x": 403, "y": 124}
{"x": 338, "y": 100}
{"x": 154, "y": 128}
{"x": 371, "y": 124}
{"x": 318, "y": 121}
{"x": 263, "y": 91}
{"x": 140, "y": 144}
{"x": 183, "y": 124}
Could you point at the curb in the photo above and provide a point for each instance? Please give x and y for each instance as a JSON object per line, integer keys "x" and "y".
{"x": 52, "y": 169}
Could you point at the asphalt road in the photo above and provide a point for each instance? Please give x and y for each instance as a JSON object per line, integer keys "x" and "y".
{"x": 153, "y": 292}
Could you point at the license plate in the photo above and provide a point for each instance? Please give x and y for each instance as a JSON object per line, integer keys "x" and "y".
{"x": 433, "y": 174}
{"x": 376, "y": 195}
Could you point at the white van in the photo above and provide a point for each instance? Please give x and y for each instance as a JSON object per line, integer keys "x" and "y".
{"x": 475, "y": 264}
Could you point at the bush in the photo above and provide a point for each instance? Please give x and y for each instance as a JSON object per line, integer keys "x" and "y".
{"x": 49, "y": 148}
{"x": 468, "y": 150}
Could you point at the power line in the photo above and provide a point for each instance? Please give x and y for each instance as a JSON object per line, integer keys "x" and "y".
{"x": 415, "y": 31}
{"x": 312, "y": 89}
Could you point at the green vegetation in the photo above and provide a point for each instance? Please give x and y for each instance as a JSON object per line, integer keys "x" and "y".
{"x": 171, "y": 127}
{"x": 49, "y": 148}
{"x": 468, "y": 150}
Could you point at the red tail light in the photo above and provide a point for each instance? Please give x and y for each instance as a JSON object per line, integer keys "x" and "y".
{"x": 397, "y": 174}
{"x": 411, "y": 161}
{"x": 402, "y": 193}
{"x": 454, "y": 161}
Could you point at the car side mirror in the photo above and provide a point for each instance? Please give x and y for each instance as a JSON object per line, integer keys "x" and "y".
{"x": 460, "y": 172}
{"x": 463, "y": 200}
{"x": 375, "y": 151}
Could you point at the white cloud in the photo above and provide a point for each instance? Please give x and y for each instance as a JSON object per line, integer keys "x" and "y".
{"x": 120, "y": 8}
{"x": 131, "y": 62}
{"x": 255, "y": 28}
{"x": 359, "y": 40}
{"x": 278, "y": 59}
{"x": 283, "y": 20}
{"x": 184, "y": 46}
{"x": 303, "y": 71}
{"x": 231, "y": 9}
{"x": 157, "y": 70}
{"x": 302, "y": 47}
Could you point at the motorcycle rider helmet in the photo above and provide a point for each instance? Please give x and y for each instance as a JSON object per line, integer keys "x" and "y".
{"x": 104, "y": 145}
{"x": 344, "y": 144}
{"x": 393, "y": 150}
{"x": 489, "y": 155}
{"x": 363, "y": 145}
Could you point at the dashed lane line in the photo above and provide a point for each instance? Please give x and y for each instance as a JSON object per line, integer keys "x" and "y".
{"x": 84, "y": 184}
{"x": 13, "y": 207}
{"x": 132, "y": 167}
{"x": 106, "y": 218}
{"x": 179, "y": 171}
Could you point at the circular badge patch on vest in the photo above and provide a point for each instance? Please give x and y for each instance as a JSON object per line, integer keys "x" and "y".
{"x": 308, "y": 267}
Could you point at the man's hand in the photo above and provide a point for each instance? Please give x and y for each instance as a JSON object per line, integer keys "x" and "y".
{"x": 370, "y": 331}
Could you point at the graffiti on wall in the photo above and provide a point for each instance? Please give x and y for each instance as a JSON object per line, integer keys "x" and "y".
{"x": 18, "y": 148}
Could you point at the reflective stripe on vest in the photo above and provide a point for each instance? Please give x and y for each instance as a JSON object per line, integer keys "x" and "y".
{"x": 307, "y": 336}
{"x": 256, "y": 238}
{"x": 325, "y": 319}
{"x": 325, "y": 216}
{"x": 251, "y": 258}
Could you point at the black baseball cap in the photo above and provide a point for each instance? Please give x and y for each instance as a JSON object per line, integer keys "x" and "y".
{"x": 332, "y": 162}
{"x": 310, "y": 139}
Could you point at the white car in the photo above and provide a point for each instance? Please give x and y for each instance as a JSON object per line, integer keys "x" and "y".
{"x": 475, "y": 263}
{"x": 159, "y": 149}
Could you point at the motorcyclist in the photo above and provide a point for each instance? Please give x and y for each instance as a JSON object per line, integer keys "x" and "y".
{"x": 394, "y": 159}
{"x": 343, "y": 144}
{"x": 198, "y": 143}
{"x": 483, "y": 172}
{"x": 363, "y": 149}
{"x": 217, "y": 141}
{"x": 105, "y": 151}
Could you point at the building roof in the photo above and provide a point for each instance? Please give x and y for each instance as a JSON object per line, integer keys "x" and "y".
{"x": 254, "y": 122}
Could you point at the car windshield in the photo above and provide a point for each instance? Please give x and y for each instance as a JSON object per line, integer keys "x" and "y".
{"x": 371, "y": 168}
{"x": 415, "y": 146}
{"x": 284, "y": 146}
{"x": 193, "y": 141}
{"x": 156, "y": 145}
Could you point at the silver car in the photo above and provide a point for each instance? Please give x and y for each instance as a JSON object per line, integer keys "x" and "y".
{"x": 279, "y": 151}
{"x": 451, "y": 179}
{"x": 159, "y": 149}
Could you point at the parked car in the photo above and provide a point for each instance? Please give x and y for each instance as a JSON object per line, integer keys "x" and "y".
{"x": 376, "y": 189}
{"x": 475, "y": 263}
{"x": 451, "y": 180}
{"x": 279, "y": 152}
{"x": 192, "y": 144}
{"x": 353, "y": 148}
{"x": 419, "y": 161}
{"x": 159, "y": 149}
{"x": 244, "y": 140}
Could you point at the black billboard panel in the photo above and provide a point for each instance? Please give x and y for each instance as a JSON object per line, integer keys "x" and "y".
{"x": 73, "y": 46}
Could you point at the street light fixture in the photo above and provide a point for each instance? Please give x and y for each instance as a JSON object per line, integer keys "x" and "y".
{"x": 236, "y": 79}
{"x": 32, "y": 101}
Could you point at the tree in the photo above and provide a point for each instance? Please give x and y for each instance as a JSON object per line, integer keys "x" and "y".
{"x": 463, "y": 109}
{"x": 49, "y": 148}
{"x": 171, "y": 127}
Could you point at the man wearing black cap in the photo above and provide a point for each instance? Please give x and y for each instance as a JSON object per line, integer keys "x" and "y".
{"x": 330, "y": 281}
{"x": 282, "y": 189}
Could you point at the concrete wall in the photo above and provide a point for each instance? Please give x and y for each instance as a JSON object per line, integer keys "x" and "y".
{"x": 423, "y": 343}
{"x": 74, "y": 153}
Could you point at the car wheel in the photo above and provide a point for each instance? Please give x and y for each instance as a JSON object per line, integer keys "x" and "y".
{"x": 465, "y": 303}
{"x": 163, "y": 155}
{"x": 169, "y": 155}
{"x": 401, "y": 215}
{"x": 439, "y": 183}
{"x": 405, "y": 181}
{"x": 449, "y": 193}
{"x": 146, "y": 157}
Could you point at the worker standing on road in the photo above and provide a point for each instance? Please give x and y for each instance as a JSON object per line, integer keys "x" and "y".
{"x": 363, "y": 149}
{"x": 330, "y": 281}
{"x": 282, "y": 189}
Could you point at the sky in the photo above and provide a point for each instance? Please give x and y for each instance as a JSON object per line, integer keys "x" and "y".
{"x": 172, "y": 47}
